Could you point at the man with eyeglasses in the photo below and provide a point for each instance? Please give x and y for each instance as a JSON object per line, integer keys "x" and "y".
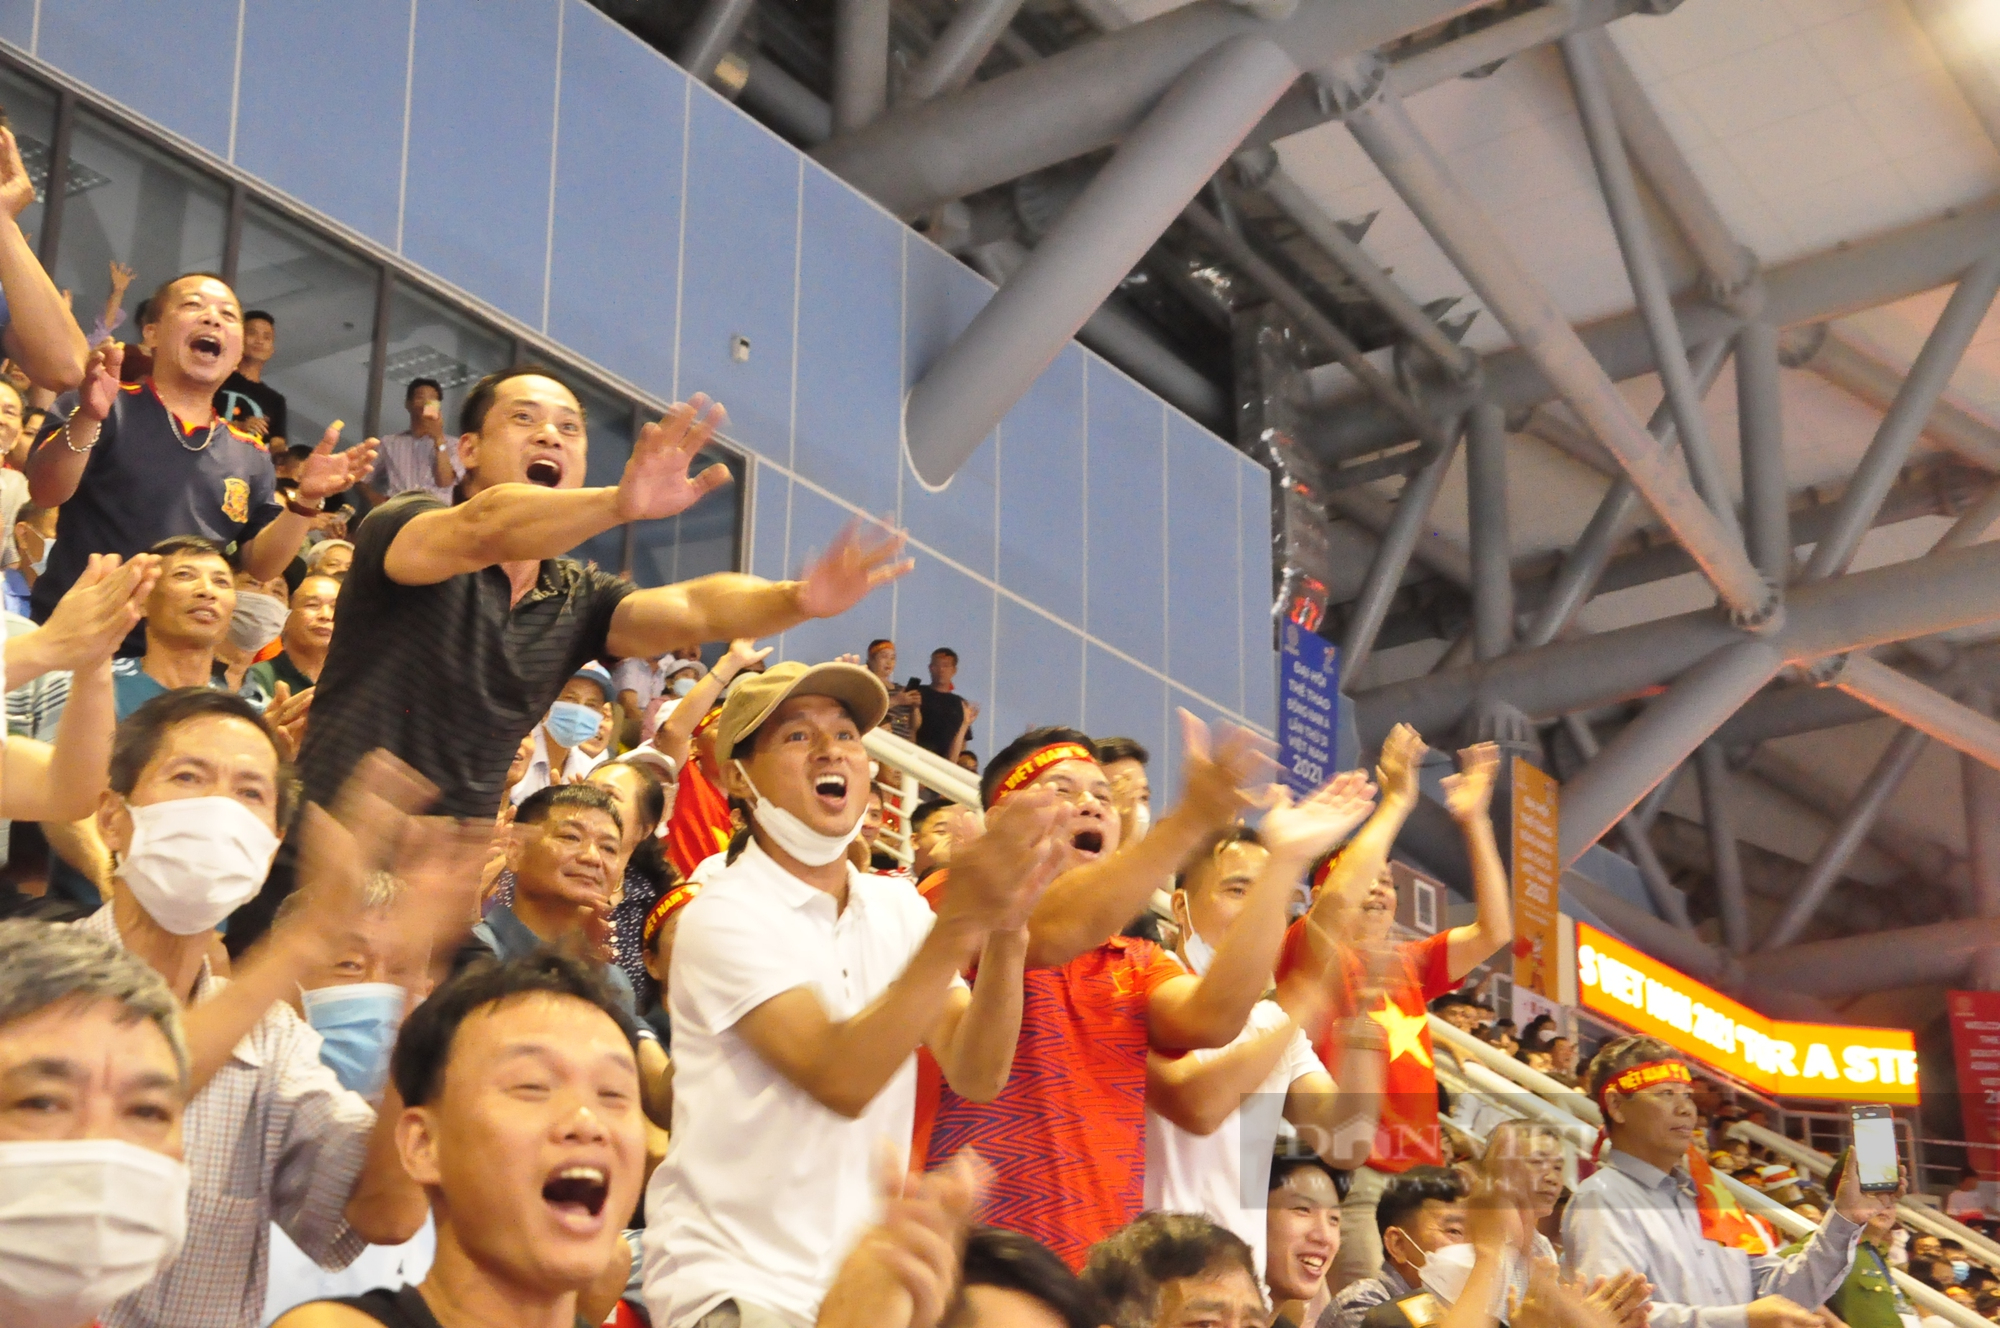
{"x": 1068, "y": 1133}
{"x": 1641, "y": 1210}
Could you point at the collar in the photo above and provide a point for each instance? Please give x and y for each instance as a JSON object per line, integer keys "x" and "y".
{"x": 786, "y": 888}
{"x": 1645, "y": 1173}
{"x": 206, "y": 985}
{"x": 510, "y": 934}
{"x": 1398, "y": 1288}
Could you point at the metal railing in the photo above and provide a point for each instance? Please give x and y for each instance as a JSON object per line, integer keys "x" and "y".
{"x": 903, "y": 771}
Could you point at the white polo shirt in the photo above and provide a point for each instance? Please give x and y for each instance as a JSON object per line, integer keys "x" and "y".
{"x": 764, "y": 1191}
{"x": 1225, "y": 1176}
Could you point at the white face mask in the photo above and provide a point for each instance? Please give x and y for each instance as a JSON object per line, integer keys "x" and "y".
{"x": 794, "y": 836}
{"x": 1447, "y": 1268}
{"x": 83, "y": 1222}
{"x": 1199, "y": 953}
{"x": 1142, "y": 821}
{"x": 257, "y": 620}
{"x": 193, "y": 860}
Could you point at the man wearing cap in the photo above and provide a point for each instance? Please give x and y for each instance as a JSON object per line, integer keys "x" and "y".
{"x": 1643, "y": 1210}
{"x": 579, "y": 714}
{"x": 1068, "y": 1135}
{"x": 461, "y": 624}
{"x": 800, "y": 991}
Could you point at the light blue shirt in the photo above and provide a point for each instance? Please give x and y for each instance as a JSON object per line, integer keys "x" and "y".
{"x": 1630, "y": 1214}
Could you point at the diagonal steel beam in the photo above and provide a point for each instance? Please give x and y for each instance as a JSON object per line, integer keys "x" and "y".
{"x": 708, "y": 40}
{"x": 955, "y": 56}
{"x": 1982, "y": 821}
{"x": 1385, "y": 131}
{"x": 1898, "y": 432}
{"x": 1718, "y": 809}
{"x": 860, "y": 62}
{"x": 1146, "y": 184}
{"x": 1486, "y": 511}
{"x": 1858, "y": 373}
{"x": 1670, "y": 903}
{"x": 1392, "y": 558}
{"x": 1767, "y": 511}
{"x": 1900, "y": 696}
{"x": 1850, "y": 832}
{"x": 1642, "y": 268}
{"x": 1664, "y": 735}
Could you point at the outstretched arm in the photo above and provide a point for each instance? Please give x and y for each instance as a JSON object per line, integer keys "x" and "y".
{"x": 674, "y": 736}
{"x": 511, "y": 523}
{"x": 1469, "y": 797}
{"x": 327, "y": 473}
{"x": 42, "y": 336}
{"x": 1355, "y": 870}
{"x": 730, "y": 604}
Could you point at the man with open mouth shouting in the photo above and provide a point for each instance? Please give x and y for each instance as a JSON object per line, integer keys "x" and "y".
{"x": 459, "y": 625}
{"x": 1068, "y": 1136}
{"x": 135, "y": 463}
{"x": 801, "y": 989}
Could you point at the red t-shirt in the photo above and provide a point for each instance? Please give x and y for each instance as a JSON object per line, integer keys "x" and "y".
{"x": 1407, "y": 1135}
{"x": 699, "y": 826}
{"x": 1067, "y": 1136}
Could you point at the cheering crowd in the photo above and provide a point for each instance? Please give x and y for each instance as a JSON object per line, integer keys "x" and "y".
{"x": 430, "y": 939}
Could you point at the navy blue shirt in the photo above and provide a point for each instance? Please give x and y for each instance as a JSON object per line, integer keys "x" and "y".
{"x": 149, "y": 477}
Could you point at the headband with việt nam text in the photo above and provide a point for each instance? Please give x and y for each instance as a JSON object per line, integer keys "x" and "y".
{"x": 1645, "y": 1075}
{"x": 668, "y": 904}
{"x": 1028, "y": 767}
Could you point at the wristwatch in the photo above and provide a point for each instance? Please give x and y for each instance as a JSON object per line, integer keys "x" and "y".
{"x": 297, "y": 508}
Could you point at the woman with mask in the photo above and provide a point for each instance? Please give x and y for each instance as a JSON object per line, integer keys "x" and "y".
{"x": 91, "y": 1029}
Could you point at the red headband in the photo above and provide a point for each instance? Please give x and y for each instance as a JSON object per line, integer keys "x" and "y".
{"x": 707, "y": 722}
{"x": 1645, "y": 1075}
{"x": 1032, "y": 765}
{"x": 669, "y": 903}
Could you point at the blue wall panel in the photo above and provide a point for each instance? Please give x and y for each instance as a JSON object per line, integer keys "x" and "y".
{"x": 740, "y": 256}
{"x": 614, "y": 272}
{"x": 936, "y": 606}
{"x": 1166, "y": 773}
{"x": 17, "y": 22}
{"x": 1041, "y": 676}
{"x": 850, "y": 345}
{"x": 942, "y": 296}
{"x": 1260, "y": 658}
{"x": 1203, "y": 616}
{"x": 1121, "y": 699}
{"x": 767, "y": 534}
{"x": 1127, "y": 539}
{"x": 172, "y": 63}
{"x": 482, "y": 125}
{"x": 815, "y": 524}
{"x": 1041, "y": 490}
{"x": 321, "y": 115}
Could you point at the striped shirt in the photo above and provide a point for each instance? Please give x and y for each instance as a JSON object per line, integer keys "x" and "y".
{"x": 272, "y": 1138}
{"x": 449, "y": 677}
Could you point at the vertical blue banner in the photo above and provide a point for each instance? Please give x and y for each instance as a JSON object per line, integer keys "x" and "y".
{"x": 1308, "y": 707}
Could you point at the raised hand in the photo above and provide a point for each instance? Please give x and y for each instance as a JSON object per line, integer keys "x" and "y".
{"x": 1217, "y": 783}
{"x": 1469, "y": 793}
{"x": 903, "y": 1271}
{"x": 438, "y": 862}
{"x": 1305, "y": 830}
{"x": 327, "y": 472}
{"x": 997, "y": 879}
{"x": 1402, "y": 753}
{"x": 121, "y": 280}
{"x": 338, "y": 849}
{"x": 100, "y": 381}
{"x": 742, "y": 654}
{"x": 862, "y": 558}
{"x": 17, "y": 189}
{"x": 93, "y": 616}
{"x": 287, "y": 714}
{"x": 656, "y": 482}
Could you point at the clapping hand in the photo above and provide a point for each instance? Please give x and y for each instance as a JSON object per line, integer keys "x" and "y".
{"x": 1402, "y": 753}
{"x": 656, "y": 482}
{"x": 17, "y": 188}
{"x": 1305, "y": 830}
{"x": 1469, "y": 794}
{"x": 327, "y": 472}
{"x": 1217, "y": 782}
{"x": 997, "y": 879}
{"x": 288, "y": 714}
{"x": 94, "y": 614}
{"x": 862, "y": 558}
{"x": 904, "y": 1270}
{"x": 99, "y": 390}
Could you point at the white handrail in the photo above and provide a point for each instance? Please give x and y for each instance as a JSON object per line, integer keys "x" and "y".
{"x": 1552, "y": 1090}
{"x": 928, "y": 768}
{"x": 1924, "y": 1219}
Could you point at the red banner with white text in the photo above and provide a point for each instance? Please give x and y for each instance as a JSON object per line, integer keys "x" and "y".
{"x": 1975, "y": 1045}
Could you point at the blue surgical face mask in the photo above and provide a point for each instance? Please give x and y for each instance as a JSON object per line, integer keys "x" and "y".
{"x": 1960, "y": 1270}
{"x": 41, "y": 564}
{"x": 571, "y": 724}
{"x": 358, "y": 1024}
{"x": 681, "y": 686}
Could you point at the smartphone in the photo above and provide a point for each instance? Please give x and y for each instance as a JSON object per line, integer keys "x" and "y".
{"x": 1875, "y": 1148}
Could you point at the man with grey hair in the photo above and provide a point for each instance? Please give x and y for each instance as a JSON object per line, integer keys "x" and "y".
{"x": 93, "y": 1084}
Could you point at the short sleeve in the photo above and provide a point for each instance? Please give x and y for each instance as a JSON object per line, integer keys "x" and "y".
{"x": 632, "y": 675}
{"x": 378, "y": 530}
{"x": 1300, "y": 1058}
{"x": 323, "y": 1130}
{"x": 599, "y": 597}
{"x": 1430, "y": 960}
{"x": 1155, "y": 967}
{"x": 264, "y": 505}
{"x": 728, "y": 960}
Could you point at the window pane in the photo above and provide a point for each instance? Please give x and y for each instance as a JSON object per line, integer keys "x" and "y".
{"x": 610, "y": 434}
{"x": 131, "y": 203}
{"x": 323, "y": 301}
{"x": 700, "y": 540}
{"x": 31, "y": 113}
{"x": 428, "y": 340}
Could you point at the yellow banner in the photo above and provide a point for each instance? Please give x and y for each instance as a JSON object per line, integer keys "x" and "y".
{"x": 1835, "y": 1061}
{"x": 1537, "y": 877}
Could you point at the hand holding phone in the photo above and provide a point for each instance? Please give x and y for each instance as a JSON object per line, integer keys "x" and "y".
{"x": 1874, "y": 1158}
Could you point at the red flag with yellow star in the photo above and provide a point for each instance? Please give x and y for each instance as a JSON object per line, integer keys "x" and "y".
{"x": 1723, "y": 1220}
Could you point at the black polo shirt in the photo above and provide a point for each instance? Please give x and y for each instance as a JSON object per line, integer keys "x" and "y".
{"x": 148, "y": 477}
{"x": 449, "y": 677}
